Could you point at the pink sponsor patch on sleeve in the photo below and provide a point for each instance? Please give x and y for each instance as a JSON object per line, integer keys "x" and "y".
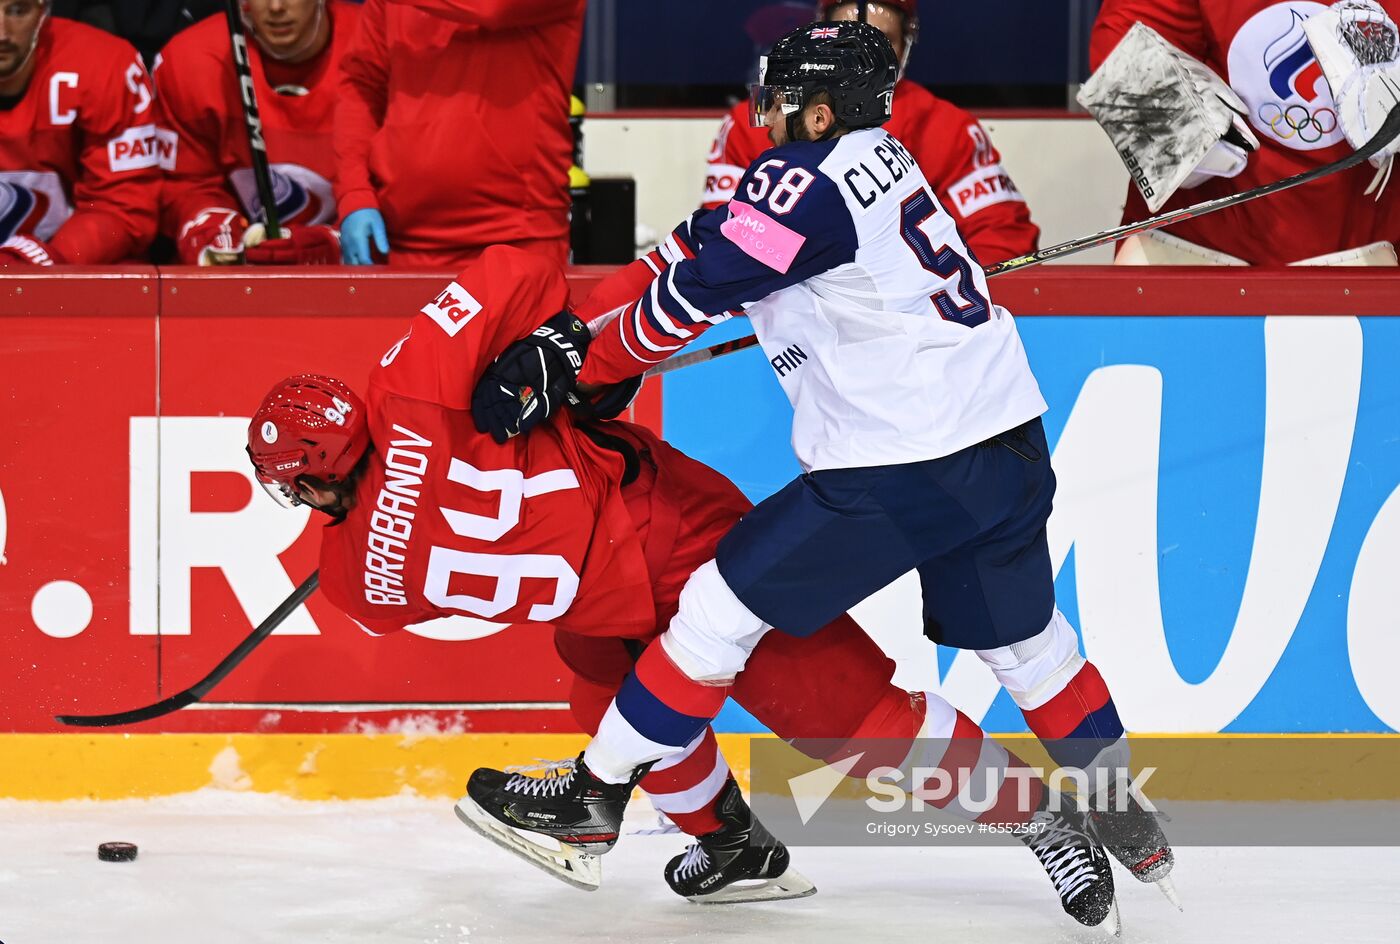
{"x": 761, "y": 236}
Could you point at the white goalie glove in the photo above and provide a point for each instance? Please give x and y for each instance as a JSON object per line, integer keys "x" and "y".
{"x": 1174, "y": 122}
{"x": 1357, "y": 45}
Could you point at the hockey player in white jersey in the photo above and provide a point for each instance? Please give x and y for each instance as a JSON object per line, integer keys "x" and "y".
{"x": 917, "y": 423}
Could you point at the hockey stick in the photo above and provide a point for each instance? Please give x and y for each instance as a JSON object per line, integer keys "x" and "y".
{"x": 201, "y": 688}
{"x": 1387, "y": 132}
{"x": 262, "y": 176}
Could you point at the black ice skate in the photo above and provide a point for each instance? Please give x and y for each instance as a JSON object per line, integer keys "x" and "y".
{"x": 740, "y": 861}
{"x": 1135, "y": 838}
{"x": 567, "y": 804}
{"x": 1077, "y": 865}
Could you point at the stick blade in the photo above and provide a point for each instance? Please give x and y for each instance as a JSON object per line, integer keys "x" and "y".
{"x": 163, "y": 707}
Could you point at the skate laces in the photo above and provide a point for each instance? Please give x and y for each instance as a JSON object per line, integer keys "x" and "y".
{"x": 1063, "y": 851}
{"x": 542, "y": 778}
{"x": 696, "y": 861}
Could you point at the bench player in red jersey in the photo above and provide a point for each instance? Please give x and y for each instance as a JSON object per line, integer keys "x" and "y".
{"x": 592, "y": 526}
{"x": 452, "y": 130}
{"x": 951, "y": 147}
{"x": 78, "y": 158}
{"x": 209, "y": 195}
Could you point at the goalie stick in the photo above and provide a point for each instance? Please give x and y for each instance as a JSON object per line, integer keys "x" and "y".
{"x": 201, "y": 688}
{"x": 252, "y": 122}
{"x": 1387, "y": 132}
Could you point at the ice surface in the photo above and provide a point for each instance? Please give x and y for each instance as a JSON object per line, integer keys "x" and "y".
{"x": 222, "y": 867}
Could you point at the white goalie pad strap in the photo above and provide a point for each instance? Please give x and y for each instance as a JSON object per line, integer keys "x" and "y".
{"x": 1357, "y": 44}
{"x": 1380, "y": 253}
{"x": 1164, "y": 112}
{"x": 1163, "y": 249}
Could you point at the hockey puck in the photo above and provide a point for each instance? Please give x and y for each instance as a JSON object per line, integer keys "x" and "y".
{"x": 117, "y": 851}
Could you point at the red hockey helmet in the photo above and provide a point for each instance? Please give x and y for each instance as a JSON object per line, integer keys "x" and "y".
{"x": 910, "y": 9}
{"x": 308, "y": 426}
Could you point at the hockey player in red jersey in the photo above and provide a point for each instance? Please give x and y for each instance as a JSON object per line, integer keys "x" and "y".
{"x": 452, "y": 130}
{"x": 210, "y": 199}
{"x": 78, "y": 167}
{"x": 593, "y": 526}
{"x": 1255, "y": 57}
{"x": 951, "y": 147}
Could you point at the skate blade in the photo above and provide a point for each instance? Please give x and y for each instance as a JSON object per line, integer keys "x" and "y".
{"x": 1168, "y": 888}
{"x": 791, "y": 884}
{"x": 570, "y": 866}
{"x": 1113, "y": 924}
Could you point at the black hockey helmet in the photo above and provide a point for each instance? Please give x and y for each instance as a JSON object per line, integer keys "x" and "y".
{"x": 852, "y": 62}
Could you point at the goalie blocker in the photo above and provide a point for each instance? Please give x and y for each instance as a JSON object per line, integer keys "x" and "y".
{"x": 1194, "y": 129}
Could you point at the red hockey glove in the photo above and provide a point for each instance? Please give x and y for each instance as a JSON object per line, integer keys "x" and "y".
{"x": 216, "y": 236}
{"x": 303, "y": 245}
{"x": 24, "y": 251}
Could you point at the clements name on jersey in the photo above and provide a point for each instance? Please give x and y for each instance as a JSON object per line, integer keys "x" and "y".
{"x": 391, "y": 525}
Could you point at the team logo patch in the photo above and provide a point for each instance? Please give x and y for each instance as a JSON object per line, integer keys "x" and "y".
{"x": 982, "y": 188}
{"x": 134, "y": 149}
{"x": 1273, "y": 69}
{"x": 167, "y": 148}
{"x": 761, "y": 236}
{"x": 453, "y": 309}
{"x": 269, "y": 432}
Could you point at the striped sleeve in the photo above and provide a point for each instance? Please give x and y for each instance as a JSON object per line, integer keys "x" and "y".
{"x": 705, "y": 276}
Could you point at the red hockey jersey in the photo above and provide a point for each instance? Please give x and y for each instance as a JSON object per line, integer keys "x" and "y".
{"x": 1260, "y": 49}
{"x": 952, "y": 150}
{"x": 205, "y": 142}
{"x": 78, "y": 162}
{"x": 453, "y": 121}
{"x": 447, "y": 521}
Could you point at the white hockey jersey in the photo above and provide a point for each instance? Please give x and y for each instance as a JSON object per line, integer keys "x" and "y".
{"x": 872, "y": 312}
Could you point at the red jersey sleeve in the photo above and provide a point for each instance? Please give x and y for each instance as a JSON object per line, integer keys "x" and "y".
{"x": 1179, "y": 21}
{"x": 190, "y": 122}
{"x": 972, "y": 185}
{"x": 498, "y": 14}
{"x": 118, "y": 185}
{"x": 359, "y": 111}
{"x": 735, "y": 146}
{"x": 499, "y": 298}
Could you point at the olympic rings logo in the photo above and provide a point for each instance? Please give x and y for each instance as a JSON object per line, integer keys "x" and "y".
{"x": 1297, "y": 120}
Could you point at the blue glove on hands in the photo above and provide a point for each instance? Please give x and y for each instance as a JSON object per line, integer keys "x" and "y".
{"x": 355, "y": 233}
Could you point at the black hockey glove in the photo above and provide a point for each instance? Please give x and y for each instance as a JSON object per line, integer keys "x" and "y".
{"x": 531, "y": 379}
{"x": 613, "y": 400}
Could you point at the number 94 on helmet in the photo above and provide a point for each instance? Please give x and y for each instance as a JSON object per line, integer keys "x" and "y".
{"x": 310, "y": 431}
